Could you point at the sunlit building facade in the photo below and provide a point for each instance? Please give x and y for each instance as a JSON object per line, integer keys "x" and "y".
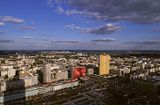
{"x": 104, "y": 64}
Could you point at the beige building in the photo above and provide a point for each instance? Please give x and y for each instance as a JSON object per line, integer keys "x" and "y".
{"x": 104, "y": 64}
{"x": 53, "y": 73}
{"x": 47, "y": 73}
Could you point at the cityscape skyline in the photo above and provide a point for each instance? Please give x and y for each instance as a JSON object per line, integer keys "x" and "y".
{"x": 79, "y": 25}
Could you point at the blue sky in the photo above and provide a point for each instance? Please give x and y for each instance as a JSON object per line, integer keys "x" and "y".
{"x": 79, "y": 24}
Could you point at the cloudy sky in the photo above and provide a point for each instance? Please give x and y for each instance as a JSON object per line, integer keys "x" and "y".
{"x": 80, "y": 24}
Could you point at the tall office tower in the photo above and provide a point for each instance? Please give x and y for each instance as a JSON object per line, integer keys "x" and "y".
{"x": 104, "y": 64}
{"x": 47, "y": 73}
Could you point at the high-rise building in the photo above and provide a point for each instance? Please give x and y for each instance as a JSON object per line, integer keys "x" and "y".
{"x": 104, "y": 64}
{"x": 47, "y": 73}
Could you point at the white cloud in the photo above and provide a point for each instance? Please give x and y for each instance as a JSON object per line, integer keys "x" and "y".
{"x": 60, "y": 10}
{"x": 66, "y": 42}
{"x": 100, "y": 30}
{"x": 2, "y": 24}
{"x": 10, "y": 19}
{"x": 27, "y": 37}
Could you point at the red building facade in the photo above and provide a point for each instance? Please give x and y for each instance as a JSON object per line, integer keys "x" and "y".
{"x": 78, "y": 72}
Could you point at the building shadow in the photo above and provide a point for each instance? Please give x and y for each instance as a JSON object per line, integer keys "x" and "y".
{"x": 14, "y": 91}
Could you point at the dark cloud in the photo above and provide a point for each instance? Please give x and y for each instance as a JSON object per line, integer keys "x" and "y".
{"x": 139, "y": 11}
{"x": 84, "y": 43}
{"x": 29, "y": 28}
{"x": 144, "y": 42}
{"x": 35, "y": 38}
{"x": 150, "y": 42}
{"x": 6, "y": 41}
{"x": 104, "y": 40}
{"x": 156, "y": 30}
{"x": 10, "y": 19}
{"x": 45, "y": 40}
{"x": 101, "y": 30}
{"x": 1, "y": 32}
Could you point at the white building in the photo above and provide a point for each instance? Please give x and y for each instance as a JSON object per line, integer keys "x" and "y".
{"x": 7, "y": 70}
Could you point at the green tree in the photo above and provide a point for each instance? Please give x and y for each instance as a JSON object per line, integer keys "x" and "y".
{"x": 6, "y": 76}
{"x": 3, "y": 62}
